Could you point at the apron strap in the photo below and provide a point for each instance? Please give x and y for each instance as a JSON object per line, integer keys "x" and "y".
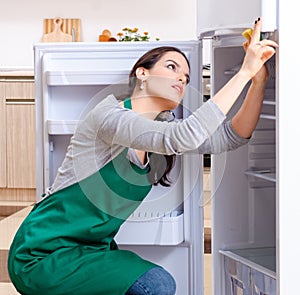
{"x": 127, "y": 103}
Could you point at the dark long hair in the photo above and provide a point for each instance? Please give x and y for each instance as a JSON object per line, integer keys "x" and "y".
{"x": 160, "y": 165}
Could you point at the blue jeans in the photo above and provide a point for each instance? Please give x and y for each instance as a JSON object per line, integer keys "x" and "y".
{"x": 156, "y": 281}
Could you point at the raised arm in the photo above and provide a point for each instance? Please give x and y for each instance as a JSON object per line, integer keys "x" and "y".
{"x": 245, "y": 120}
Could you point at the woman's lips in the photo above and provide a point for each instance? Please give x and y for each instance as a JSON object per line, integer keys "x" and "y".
{"x": 179, "y": 88}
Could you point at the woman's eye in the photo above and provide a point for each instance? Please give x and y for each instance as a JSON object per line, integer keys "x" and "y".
{"x": 171, "y": 66}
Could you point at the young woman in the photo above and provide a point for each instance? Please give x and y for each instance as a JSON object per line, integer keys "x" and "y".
{"x": 66, "y": 244}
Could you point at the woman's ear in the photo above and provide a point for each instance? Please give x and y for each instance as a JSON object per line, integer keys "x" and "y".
{"x": 141, "y": 73}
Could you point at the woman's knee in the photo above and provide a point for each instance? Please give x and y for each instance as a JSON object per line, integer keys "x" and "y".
{"x": 156, "y": 281}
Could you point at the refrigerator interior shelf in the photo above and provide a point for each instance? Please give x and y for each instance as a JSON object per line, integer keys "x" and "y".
{"x": 269, "y": 117}
{"x": 269, "y": 102}
{"x": 260, "y": 259}
{"x": 158, "y": 231}
{"x": 265, "y": 174}
{"x": 81, "y": 77}
{"x": 61, "y": 127}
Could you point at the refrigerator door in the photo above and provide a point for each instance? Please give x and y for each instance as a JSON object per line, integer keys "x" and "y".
{"x": 288, "y": 162}
{"x": 217, "y": 14}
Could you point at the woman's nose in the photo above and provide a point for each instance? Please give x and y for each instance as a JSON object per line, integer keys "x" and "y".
{"x": 182, "y": 78}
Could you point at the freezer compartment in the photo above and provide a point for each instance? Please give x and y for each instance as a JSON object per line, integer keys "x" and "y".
{"x": 250, "y": 271}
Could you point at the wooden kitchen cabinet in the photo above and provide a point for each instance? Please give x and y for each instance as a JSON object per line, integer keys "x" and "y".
{"x": 17, "y": 147}
{"x": 20, "y": 146}
{"x": 2, "y": 137}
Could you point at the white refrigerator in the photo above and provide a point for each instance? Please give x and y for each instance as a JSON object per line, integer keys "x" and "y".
{"x": 250, "y": 186}
{"x": 70, "y": 80}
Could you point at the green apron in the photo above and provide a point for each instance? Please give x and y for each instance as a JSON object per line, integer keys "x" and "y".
{"x": 66, "y": 244}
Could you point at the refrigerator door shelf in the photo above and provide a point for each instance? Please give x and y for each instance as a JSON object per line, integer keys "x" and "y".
{"x": 160, "y": 231}
{"x": 61, "y": 127}
{"x": 80, "y": 77}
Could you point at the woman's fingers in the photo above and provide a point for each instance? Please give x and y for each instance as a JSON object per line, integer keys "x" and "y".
{"x": 266, "y": 48}
{"x": 267, "y": 53}
{"x": 257, "y": 51}
{"x": 267, "y": 42}
{"x": 255, "y": 37}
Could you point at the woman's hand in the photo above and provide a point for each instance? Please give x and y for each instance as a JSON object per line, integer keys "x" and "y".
{"x": 253, "y": 67}
{"x": 257, "y": 53}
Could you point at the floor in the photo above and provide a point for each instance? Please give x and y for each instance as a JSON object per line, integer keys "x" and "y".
{"x": 8, "y": 227}
{"x": 10, "y": 224}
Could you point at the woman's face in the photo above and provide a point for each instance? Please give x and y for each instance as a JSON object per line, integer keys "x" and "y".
{"x": 167, "y": 80}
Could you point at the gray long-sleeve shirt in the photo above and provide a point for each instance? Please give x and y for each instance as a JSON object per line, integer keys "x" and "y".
{"x": 109, "y": 128}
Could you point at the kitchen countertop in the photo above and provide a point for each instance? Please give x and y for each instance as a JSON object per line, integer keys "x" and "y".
{"x": 7, "y": 72}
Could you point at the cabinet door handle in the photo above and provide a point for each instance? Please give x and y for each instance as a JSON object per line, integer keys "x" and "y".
{"x": 20, "y": 101}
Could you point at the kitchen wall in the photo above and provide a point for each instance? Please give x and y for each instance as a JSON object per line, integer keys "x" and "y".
{"x": 21, "y": 22}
